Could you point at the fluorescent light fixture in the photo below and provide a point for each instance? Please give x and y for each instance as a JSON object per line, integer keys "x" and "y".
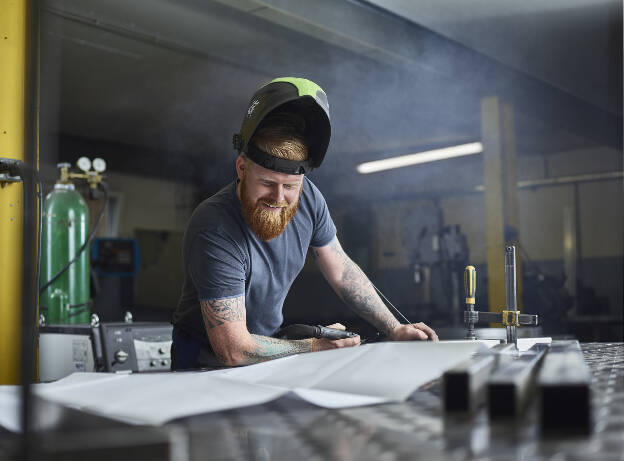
{"x": 420, "y": 157}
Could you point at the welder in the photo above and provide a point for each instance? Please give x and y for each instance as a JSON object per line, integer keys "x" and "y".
{"x": 244, "y": 246}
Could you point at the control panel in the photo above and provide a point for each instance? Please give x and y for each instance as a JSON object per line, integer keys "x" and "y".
{"x": 137, "y": 347}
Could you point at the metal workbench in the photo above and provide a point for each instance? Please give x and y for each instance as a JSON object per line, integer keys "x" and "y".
{"x": 290, "y": 429}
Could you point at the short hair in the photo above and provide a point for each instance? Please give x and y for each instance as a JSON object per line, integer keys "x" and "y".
{"x": 281, "y": 134}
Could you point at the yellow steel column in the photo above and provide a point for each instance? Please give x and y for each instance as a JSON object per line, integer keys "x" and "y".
{"x": 12, "y": 106}
{"x": 499, "y": 173}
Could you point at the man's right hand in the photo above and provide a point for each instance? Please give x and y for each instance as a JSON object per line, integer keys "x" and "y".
{"x": 322, "y": 344}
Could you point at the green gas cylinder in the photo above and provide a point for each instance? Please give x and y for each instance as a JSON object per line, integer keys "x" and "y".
{"x": 65, "y": 229}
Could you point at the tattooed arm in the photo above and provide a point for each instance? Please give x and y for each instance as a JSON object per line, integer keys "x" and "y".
{"x": 354, "y": 288}
{"x": 224, "y": 320}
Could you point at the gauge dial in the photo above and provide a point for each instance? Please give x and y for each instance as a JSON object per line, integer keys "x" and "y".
{"x": 99, "y": 165}
{"x": 84, "y": 164}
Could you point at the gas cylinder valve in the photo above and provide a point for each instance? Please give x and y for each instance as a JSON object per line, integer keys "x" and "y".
{"x": 93, "y": 177}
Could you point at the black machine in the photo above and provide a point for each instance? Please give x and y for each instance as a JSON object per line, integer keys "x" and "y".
{"x": 109, "y": 347}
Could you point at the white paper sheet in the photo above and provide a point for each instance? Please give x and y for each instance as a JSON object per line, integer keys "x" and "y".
{"x": 340, "y": 378}
{"x": 524, "y": 344}
{"x": 10, "y": 408}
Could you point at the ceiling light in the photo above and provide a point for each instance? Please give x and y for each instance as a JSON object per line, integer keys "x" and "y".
{"x": 420, "y": 157}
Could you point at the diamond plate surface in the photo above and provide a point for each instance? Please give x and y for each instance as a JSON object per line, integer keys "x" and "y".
{"x": 417, "y": 429}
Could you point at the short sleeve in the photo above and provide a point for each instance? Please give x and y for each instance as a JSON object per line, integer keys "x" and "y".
{"x": 216, "y": 265}
{"x": 324, "y": 227}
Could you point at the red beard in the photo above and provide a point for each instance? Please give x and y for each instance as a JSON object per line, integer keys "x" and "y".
{"x": 266, "y": 224}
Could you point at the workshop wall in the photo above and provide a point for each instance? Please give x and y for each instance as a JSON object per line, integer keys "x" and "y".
{"x": 540, "y": 216}
{"x": 152, "y": 204}
{"x": 602, "y": 219}
{"x": 600, "y": 227}
{"x": 155, "y": 212}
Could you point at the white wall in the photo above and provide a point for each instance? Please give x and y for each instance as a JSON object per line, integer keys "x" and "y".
{"x": 151, "y": 204}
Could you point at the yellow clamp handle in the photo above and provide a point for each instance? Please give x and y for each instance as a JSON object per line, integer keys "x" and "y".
{"x": 470, "y": 284}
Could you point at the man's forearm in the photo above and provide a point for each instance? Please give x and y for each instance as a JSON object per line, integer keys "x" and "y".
{"x": 264, "y": 348}
{"x": 224, "y": 320}
{"x": 233, "y": 345}
{"x": 353, "y": 287}
{"x": 359, "y": 294}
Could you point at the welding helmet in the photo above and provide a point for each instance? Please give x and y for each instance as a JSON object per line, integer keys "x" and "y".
{"x": 293, "y": 95}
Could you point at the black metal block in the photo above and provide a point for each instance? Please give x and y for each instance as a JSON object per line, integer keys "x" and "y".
{"x": 464, "y": 386}
{"x": 511, "y": 387}
{"x": 564, "y": 389}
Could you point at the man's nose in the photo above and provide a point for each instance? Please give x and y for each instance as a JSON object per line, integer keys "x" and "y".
{"x": 278, "y": 193}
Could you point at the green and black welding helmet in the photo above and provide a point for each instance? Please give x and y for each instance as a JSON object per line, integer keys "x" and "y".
{"x": 298, "y": 96}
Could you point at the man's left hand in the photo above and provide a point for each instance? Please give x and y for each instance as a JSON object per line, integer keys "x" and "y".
{"x": 414, "y": 331}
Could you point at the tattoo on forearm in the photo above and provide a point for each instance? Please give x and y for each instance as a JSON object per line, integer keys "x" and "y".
{"x": 267, "y": 348}
{"x": 359, "y": 294}
{"x": 219, "y": 311}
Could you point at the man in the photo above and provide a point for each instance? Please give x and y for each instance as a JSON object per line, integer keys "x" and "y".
{"x": 244, "y": 246}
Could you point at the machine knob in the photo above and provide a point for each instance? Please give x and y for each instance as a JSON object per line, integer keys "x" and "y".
{"x": 162, "y": 350}
{"x": 153, "y": 363}
{"x": 95, "y": 321}
{"x": 121, "y": 356}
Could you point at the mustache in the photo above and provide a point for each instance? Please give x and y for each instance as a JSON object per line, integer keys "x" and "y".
{"x": 283, "y": 204}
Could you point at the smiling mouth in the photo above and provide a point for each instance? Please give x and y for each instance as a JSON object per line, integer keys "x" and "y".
{"x": 272, "y": 207}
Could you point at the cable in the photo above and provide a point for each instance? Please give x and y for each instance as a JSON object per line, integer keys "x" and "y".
{"x": 391, "y": 305}
{"x": 386, "y": 299}
{"x": 84, "y": 246}
{"x": 38, "y": 267}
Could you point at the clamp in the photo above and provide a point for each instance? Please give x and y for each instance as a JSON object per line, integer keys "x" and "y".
{"x": 510, "y": 317}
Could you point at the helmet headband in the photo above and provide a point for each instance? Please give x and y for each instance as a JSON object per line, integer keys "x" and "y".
{"x": 278, "y": 164}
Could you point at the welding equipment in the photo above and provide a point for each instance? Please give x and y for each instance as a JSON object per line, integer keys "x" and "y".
{"x": 104, "y": 346}
{"x": 296, "y": 96}
{"x": 65, "y": 267}
{"x": 300, "y": 331}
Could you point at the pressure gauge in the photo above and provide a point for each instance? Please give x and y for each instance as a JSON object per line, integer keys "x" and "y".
{"x": 84, "y": 164}
{"x": 99, "y": 165}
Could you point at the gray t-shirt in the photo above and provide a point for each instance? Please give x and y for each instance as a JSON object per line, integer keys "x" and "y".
{"x": 223, "y": 258}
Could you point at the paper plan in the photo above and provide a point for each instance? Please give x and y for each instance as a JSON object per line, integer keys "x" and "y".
{"x": 340, "y": 378}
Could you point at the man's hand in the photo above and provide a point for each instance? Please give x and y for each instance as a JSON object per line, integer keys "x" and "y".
{"x": 414, "y": 331}
{"x": 322, "y": 344}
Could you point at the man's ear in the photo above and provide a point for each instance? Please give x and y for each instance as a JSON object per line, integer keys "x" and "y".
{"x": 241, "y": 165}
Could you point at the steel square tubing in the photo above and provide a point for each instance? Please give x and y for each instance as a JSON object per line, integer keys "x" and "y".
{"x": 564, "y": 390}
{"x": 510, "y": 387}
{"x": 463, "y": 387}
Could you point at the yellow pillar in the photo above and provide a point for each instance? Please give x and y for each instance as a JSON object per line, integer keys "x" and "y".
{"x": 13, "y": 14}
{"x": 501, "y": 210}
